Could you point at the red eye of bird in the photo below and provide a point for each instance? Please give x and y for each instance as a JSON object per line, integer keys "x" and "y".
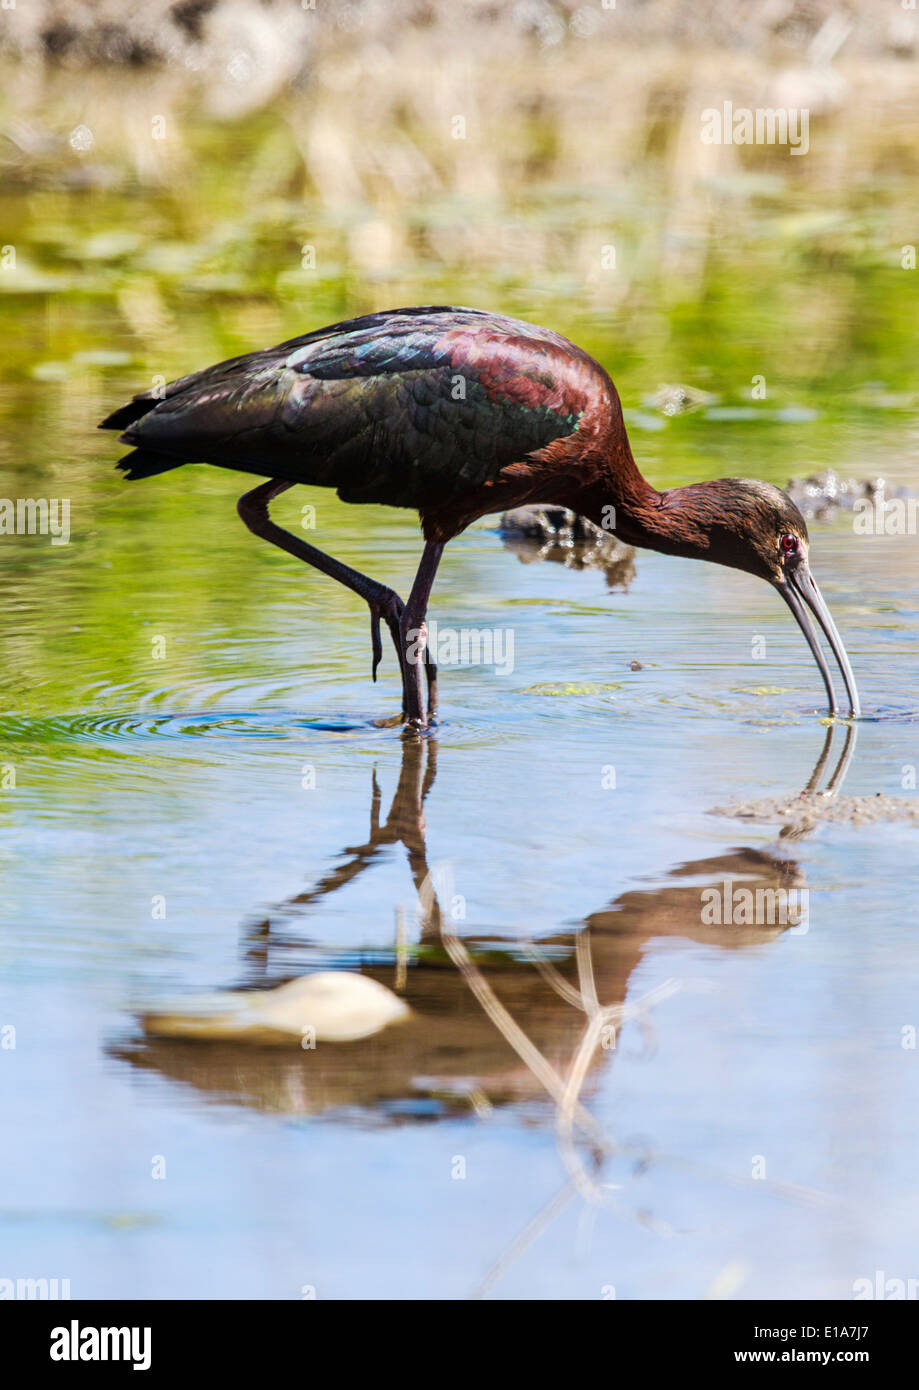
{"x": 789, "y": 544}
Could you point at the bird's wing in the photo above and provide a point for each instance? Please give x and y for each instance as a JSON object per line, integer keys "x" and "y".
{"x": 411, "y": 408}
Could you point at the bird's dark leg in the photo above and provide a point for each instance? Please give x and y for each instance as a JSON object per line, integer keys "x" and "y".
{"x": 430, "y": 671}
{"x": 415, "y": 640}
{"x": 383, "y": 602}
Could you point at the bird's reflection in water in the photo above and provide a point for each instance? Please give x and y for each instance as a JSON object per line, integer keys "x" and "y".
{"x": 494, "y": 1020}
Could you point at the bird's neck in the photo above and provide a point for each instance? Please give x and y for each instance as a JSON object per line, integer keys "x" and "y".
{"x": 621, "y": 500}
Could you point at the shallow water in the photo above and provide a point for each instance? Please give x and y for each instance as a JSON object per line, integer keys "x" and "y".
{"x": 202, "y": 800}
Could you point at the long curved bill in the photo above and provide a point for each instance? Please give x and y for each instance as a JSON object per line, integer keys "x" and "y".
{"x": 799, "y": 588}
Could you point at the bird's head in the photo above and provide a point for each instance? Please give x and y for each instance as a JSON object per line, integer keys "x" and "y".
{"x": 753, "y": 526}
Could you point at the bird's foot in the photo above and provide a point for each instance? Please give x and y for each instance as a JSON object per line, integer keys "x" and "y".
{"x": 393, "y": 722}
{"x": 388, "y": 608}
{"x": 417, "y": 714}
{"x": 418, "y": 725}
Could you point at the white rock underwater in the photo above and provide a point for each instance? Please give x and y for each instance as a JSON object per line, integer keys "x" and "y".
{"x": 328, "y": 1006}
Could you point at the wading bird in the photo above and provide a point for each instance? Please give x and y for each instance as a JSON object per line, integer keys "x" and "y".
{"x": 458, "y": 413}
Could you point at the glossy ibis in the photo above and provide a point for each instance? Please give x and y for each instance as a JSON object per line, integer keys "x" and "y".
{"x": 458, "y": 413}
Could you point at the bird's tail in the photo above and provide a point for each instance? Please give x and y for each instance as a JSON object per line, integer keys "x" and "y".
{"x": 140, "y": 463}
{"x": 143, "y": 463}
